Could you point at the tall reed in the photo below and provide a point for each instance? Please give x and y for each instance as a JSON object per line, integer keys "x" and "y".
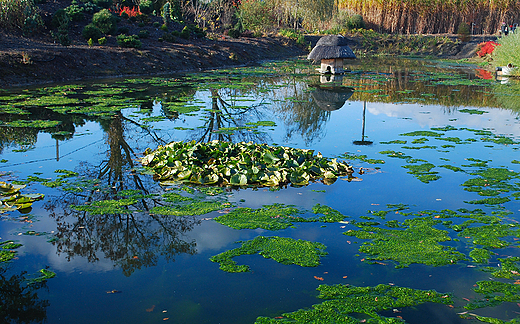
{"x": 434, "y": 16}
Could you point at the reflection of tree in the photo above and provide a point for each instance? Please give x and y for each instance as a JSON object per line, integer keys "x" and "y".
{"x": 19, "y": 302}
{"x": 300, "y": 113}
{"x": 132, "y": 238}
{"x": 224, "y": 114}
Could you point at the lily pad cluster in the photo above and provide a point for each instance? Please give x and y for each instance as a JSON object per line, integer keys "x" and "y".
{"x": 11, "y": 199}
{"x": 241, "y": 164}
{"x": 284, "y": 250}
{"x": 345, "y": 304}
{"x": 8, "y": 251}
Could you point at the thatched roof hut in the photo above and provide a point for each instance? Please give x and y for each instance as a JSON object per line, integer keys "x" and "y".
{"x": 331, "y": 50}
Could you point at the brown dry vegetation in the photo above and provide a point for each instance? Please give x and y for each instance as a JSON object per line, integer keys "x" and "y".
{"x": 435, "y": 16}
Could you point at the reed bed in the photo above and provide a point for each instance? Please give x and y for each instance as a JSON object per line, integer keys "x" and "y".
{"x": 434, "y": 16}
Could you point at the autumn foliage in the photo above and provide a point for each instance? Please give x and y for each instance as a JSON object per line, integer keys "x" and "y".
{"x": 486, "y": 48}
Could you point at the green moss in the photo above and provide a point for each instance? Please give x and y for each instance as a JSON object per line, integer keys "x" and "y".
{"x": 495, "y": 293}
{"x": 362, "y": 158}
{"x": 394, "y": 142}
{"x": 192, "y": 209}
{"x": 490, "y": 235}
{"x": 480, "y": 255}
{"x": 421, "y": 140}
{"x": 281, "y": 249}
{"x": 422, "y": 172}
{"x": 107, "y": 207}
{"x": 508, "y": 268}
{"x": 452, "y": 168}
{"x": 329, "y": 215}
{"x": 423, "y": 133}
{"x": 241, "y": 164}
{"x": 473, "y": 111}
{"x": 418, "y": 243}
{"x": 344, "y": 304}
{"x": 269, "y": 217}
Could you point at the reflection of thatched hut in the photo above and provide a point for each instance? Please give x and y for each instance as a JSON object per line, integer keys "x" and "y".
{"x": 331, "y": 99}
{"x": 331, "y": 51}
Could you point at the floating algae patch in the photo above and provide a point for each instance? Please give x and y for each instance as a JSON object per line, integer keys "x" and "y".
{"x": 490, "y": 235}
{"x": 241, "y": 164}
{"x": 281, "y": 249}
{"x": 394, "y": 142}
{"x": 269, "y": 217}
{"x": 34, "y": 123}
{"x": 7, "y": 251}
{"x": 44, "y": 276}
{"x": 108, "y": 207}
{"x": 473, "y": 111}
{"x": 362, "y": 158}
{"x": 417, "y": 243}
{"x": 508, "y": 268}
{"x": 351, "y": 304}
{"x": 495, "y": 293}
{"x": 329, "y": 215}
{"x": 452, "y": 168}
{"x": 423, "y": 133}
{"x": 276, "y": 217}
{"x": 480, "y": 255}
{"x": 423, "y": 172}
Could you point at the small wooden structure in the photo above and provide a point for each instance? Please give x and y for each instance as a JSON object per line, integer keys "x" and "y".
{"x": 331, "y": 50}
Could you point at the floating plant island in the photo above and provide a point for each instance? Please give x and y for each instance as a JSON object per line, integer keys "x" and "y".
{"x": 241, "y": 164}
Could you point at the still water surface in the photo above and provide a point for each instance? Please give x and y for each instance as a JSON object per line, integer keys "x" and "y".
{"x": 145, "y": 268}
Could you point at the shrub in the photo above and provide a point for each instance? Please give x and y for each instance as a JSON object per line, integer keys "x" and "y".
{"x": 486, "y": 48}
{"x": 90, "y": 8}
{"x": 156, "y": 24}
{"x": 129, "y": 41}
{"x": 146, "y": 7}
{"x": 90, "y": 42}
{"x": 75, "y": 12}
{"x": 143, "y": 33}
{"x": 105, "y": 21}
{"x": 257, "y": 15}
{"x": 32, "y": 24}
{"x": 355, "y": 22}
{"x": 463, "y": 32}
{"x": 13, "y": 13}
{"x": 508, "y": 52}
{"x": 102, "y": 41}
{"x": 91, "y": 32}
{"x": 60, "y": 19}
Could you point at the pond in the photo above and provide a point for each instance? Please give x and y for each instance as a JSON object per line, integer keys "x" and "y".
{"x": 425, "y": 229}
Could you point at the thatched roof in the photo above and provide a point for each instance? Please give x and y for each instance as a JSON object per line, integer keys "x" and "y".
{"x": 331, "y": 99}
{"x": 331, "y": 47}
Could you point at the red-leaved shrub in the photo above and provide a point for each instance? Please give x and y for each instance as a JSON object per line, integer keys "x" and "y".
{"x": 486, "y": 48}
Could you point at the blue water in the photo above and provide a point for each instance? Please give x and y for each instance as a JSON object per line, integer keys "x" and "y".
{"x": 159, "y": 265}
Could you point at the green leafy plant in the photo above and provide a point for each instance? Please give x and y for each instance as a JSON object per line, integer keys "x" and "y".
{"x": 241, "y": 164}
{"x": 105, "y": 21}
{"x": 129, "y": 41}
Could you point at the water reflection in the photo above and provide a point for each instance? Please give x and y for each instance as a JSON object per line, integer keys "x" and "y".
{"x": 19, "y": 301}
{"x": 132, "y": 239}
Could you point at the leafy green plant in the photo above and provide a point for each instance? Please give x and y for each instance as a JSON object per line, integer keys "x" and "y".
{"x": 75, "y": 12}
{"x": 355, "y": 22}
{"x": 102, "y": 41}
{"x": 146, "y": 7}
{"x": 91, "y": 32}
{"x": 14, "y": 14}
{"x": 129, "y": 41}
{"x": 105, "y": 21}
{"x": 241, "y": 164}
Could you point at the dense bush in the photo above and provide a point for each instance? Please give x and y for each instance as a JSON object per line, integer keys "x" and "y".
{"x": 129, "y": 41}
{"x": 508, "y": 52}
{"x": 105, "y": 21}
{"x": 14, "y": 14}
{"x": 75, "y": 12}
{"x": 146, "y": 7}
{"x": 257, "y": 15}
{"x": 355, "y": 22}
{"x": 91, "y": 32}
{"x": 143, "y": 33}
{"x": 463, "y": 32}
